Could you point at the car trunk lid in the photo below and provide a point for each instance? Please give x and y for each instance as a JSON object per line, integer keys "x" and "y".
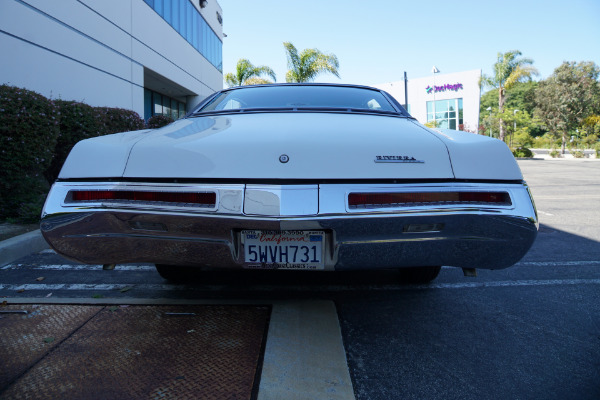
{"x": 291, "y": 145}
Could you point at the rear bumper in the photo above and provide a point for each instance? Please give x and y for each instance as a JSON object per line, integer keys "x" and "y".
{"x": 466, "y": 236}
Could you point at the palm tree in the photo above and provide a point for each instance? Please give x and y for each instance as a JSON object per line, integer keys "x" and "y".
{"x": 248, "y": 74}
{"x": 305, "y": 67}
{"x": 508, "y": 70}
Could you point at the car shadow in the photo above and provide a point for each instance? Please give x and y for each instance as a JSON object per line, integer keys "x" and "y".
{"x": 552, "y": 246}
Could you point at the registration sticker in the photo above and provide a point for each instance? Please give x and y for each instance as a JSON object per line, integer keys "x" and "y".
{"x": 283, "y": 249}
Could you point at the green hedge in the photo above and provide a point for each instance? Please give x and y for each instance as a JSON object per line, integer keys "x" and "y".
{"x": 80, "y": 121}
{"x": 158, "y": 121}
{"x": 29, "y": 129}
{"x": 36, "y": 135}
{"x": 522, "y": 152}
{"x": 117, "y": 120}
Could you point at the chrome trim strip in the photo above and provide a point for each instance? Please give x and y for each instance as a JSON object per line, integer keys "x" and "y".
{"x": 157, "y": 237}
{"x": 424, "y": 239}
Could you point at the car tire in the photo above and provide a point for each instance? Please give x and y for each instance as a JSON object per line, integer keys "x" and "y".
{"x": 419, "y": 274}
{"x": 174, "y": 273}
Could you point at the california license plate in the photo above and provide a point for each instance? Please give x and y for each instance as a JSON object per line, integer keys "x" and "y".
{"x": 283, "y": 249}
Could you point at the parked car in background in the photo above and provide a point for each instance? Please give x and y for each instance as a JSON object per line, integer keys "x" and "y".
{"x": 293, "y": 176}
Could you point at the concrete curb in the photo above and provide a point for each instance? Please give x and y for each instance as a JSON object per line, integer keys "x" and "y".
{"x": 20, "y": 246}
{"x": 304, "y": 355}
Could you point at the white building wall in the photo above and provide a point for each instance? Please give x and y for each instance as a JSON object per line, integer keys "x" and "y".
{"x": 96, "y": 51}
{"x": 418, "y": 95}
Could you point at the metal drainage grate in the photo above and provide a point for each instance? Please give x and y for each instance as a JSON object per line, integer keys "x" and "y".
{"x": 153, "y": 352}
{"x": 28, "y": 332}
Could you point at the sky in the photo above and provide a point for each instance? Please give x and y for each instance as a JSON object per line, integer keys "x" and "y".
{"x": 376, "y": 41}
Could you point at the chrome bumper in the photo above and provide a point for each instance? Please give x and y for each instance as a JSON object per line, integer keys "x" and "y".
{"x": 467, "y": 236}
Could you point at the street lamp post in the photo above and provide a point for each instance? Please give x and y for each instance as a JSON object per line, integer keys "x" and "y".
{"x": 435, "y": 71}
{"x": 490, "y": 110}
{"x": 514, "y": 125}
{"x": 405, "y": 91}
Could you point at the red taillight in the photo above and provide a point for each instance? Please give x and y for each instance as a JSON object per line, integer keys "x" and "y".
{"x": 205, "y": 199}
{"x": 426, "y": 198}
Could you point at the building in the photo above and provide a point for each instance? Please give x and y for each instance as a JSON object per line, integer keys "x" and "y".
{"x": 150, "y": 56}
{"x": 452, "y": 100}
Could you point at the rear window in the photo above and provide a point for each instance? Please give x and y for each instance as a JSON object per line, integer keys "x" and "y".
{"x": 299, "y": 97}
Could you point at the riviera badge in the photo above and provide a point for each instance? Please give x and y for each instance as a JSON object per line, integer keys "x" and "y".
{"x": 284, "y": 158}
{"x": 397, "y": 159}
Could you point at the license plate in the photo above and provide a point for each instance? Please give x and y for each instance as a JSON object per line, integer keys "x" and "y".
{"x": 283, "y": 249}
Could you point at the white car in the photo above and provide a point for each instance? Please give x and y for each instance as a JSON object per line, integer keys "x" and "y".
{"x": 293, "y": 176}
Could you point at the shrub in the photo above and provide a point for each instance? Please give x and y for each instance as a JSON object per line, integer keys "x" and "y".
{"x": 589, "y": 141}
{"x": 36, "y": 135}
{"x": 547, "y": 141}
{"x": 522, "y": 139}
{"x": 522, "y": 152}
{"x": 117, "y": 120}
{"x": 554, "y": 153}
{"x": 158, "y": 121}
{"x": 577, "y": 153}
{"x": 29, "y": 129}
{"x": 78, "y": 121}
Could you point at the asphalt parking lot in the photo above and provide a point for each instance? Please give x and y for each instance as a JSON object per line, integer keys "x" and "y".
{"x": 528, "y": 332}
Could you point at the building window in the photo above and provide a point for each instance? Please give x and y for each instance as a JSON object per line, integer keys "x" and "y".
{"x": 448, "y": 113}
{"x": 187, "y": 21}
{"x": 156, "y": 103}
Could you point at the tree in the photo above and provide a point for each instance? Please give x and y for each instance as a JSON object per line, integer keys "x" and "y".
{"x": 568, "y": 97}
{"x": 305, "y": 66}
{"x": 592, "y": 124}
{"x": 519, "y": 126}
{"x": 590, "y": 132}
{"x": 508, "y": 70}
{"x": 248, "y": 74}
{"x": 520, "y": 97}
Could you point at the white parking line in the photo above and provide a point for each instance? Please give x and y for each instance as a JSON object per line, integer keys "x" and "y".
{"x": 86, "y": 286}
{"x": 299, "y": 288}
{"x": 128, "y": 267}
{"x": 549, "y": 282}
{"x": 545, "y": 213}
{"x": 78, "y": 267}
{"x": 557, "y": 263}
